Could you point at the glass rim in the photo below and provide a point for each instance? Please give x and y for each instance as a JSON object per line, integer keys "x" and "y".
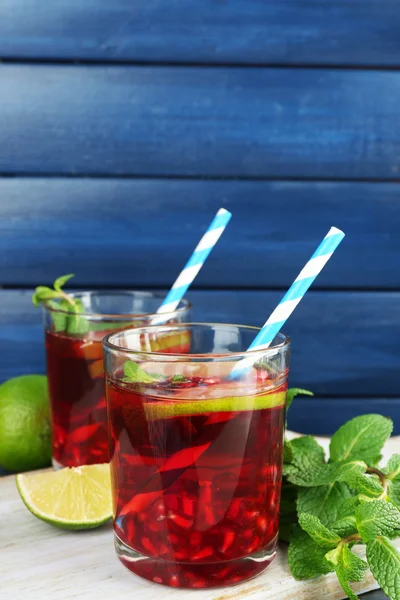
{"x": 284, "y": 344}
{"x": 97, "y": 316}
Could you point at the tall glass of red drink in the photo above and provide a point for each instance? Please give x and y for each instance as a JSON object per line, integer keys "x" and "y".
{"x": 196, "y": 455}
{"x": 75, "y": 368}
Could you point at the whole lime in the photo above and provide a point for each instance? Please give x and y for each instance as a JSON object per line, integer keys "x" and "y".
{"x": 25, "y": 433}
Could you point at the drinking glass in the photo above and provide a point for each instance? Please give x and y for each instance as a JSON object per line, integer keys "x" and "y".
{"x": 196, "y": 452}
{"x": 75, "y": 368}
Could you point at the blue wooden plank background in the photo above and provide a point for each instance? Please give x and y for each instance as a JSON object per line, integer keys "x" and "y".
{"x": 344, "y": 343}
{"x": 199, "y": 121}
{"x": 120, "y": 231}
{"x": 124, "y": 126}
{"x": 355, "y": 32}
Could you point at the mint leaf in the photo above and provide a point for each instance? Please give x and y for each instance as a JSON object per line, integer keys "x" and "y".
{"x": 352, "y": 567}
{"x": 59, "y": 318}
{"x": 61, "y": 281}
{"x": 393, "y": 492}
{"x": 135, "y": 374}
{"x": 348, "y": 567}
{"x": 324, "y": 537}
{"x": 367, "y": 485}
{"x": 323, "y": 474}
{"x": 306, "y": 558}
{"x": 362, "y": 438}
{"x": 377, "y": 518}
{"x": 179, "y": 379}
{"x": 42, "y": 294}
{"x": 305, "y": 453}
{"x": 77, "y": 325}
{"x": 323, "y": 502}
{"x": 384, "y": 562}
{"x": 393, "y": 468}
{"x": 345, "y": 527}
{"x": 348, "y": 508}
{"x": 346, "y": 586}
{"x": 292, "y": 393}
{"x": 58, "y": 300}
{"x": 287, "y": 452}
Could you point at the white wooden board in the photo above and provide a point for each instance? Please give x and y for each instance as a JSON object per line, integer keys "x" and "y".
{"x": 39, "y": 562}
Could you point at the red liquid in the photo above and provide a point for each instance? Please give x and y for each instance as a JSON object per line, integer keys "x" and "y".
{"x": 198, "y": 495}
{"x": 77, "y": 396}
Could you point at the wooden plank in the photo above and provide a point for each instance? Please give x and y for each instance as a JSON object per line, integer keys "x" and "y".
{"x": 140, "y": 232}
{"x": 64, "y": 565}
{"x": 355, "y": 32}
{"x": 345, "y": 343}
{"x": 304, "y": 123}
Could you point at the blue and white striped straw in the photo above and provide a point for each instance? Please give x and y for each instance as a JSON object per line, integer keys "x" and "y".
{"x": 196, "y": 261}
{"x": 293, "y": 296}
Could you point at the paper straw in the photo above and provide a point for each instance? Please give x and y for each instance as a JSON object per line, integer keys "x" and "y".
{"x": 293, "y": 296}
{"x": 196, "y": 261}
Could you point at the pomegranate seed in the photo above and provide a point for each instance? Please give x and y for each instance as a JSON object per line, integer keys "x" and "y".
{"x": 200, "y": 583}
{"x": 229, "y": 538}
{"x": 205, "y": 552}
{"x": 234, "y": 509}
{"x": 223, "y": 572}
{"x": 262, "y": 488}
{"x": 163, "y": 549}
{"x": 130, "y": 529}
{"x": 254, "y": 545}
{"x": 181, "y": 521}
{"x": 174, "y": 581}
{"x": 188, "y": 506}
{"x": 261, "y": 524}
{"x": 146, "y": 543}
{"x": 195, "y": 581}
{"x": 195, "y": 539}
{"x": 181, "y": 555}
{"x": 247, "y": 534}
{"x": 263, "y": 473}
{"x": 250, "y": 515}
{"x": 173, "y": 538}
{"x": 160, "y": 508}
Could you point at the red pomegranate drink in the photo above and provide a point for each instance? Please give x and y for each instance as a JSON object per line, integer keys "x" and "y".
{"x": 75, "y": 368}
{"x": 196, "y": 457}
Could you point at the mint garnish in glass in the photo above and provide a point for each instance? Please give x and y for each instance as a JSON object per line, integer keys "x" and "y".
{"x": 61, "y": 303}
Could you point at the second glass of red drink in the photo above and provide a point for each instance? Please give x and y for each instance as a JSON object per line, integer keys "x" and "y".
{"x": 196, "y": 454}
{"x": 75, "y": 367}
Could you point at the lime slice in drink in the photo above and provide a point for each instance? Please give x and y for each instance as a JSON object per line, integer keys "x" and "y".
{"x": 72, "y": 498}
{"x": 162, "y": 410}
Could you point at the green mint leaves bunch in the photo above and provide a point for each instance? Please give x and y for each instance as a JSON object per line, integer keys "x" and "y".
{"x": 62, "y": 303}
{"x": 329, "y": 506}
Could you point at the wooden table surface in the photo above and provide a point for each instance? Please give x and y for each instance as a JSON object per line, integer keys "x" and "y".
{"x": 39, "y": 561}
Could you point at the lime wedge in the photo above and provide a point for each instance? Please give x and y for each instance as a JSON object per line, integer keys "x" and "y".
{"x": 163, "y": 410}
{"x": 72, "y": 498}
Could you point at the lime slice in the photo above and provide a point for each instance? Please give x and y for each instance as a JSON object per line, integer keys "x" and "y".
{"x": 72, "y": 498}
{"x": 162, "y": 410}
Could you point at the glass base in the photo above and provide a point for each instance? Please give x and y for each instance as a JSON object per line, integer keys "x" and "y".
{"x": 197, "y": 576}
{"x": 56, "y": 464}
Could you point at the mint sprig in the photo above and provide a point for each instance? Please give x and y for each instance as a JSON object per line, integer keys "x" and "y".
{"x": 62, "y": 303}
{"x": 384, "y": 562}
{"x": 344, "y": 501}
{"x": 135, "y": 374}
